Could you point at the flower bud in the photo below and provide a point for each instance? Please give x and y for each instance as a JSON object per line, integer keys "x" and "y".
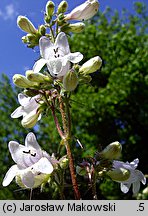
{"x": 24, "y": 39}
{"x": 61, "y": 21}
{"x": 31, "y": 119}
{"x": 42, "y": 30}
{"x": 70, "y": 81}
{"x": 22, "y": 82}
{"x": 75, "y": 28}
{"x": 119, "y": 174}
{"x": 84, "y": 79}
{"x": 62, "y": 8}
{"x": 64, "y": 162}
{"x": 91, "y": 65}
{"x": 112, "y": 151}
{"x": 50, "y": 8}
{"x": 26, "y": 25}
{"x": 33, "y": 39}
{"x": 84, "y": 11}
{"x": 30, "y": 92}
{"x": 37, "y": 77}
{"x": 81, "y": 171}
{"x": 145, "y": 191}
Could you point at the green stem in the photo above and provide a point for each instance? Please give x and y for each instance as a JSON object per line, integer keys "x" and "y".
{"x": 57, "y": 28}
{"x": 52, "y": 34}
{"x": 61, "y": 187}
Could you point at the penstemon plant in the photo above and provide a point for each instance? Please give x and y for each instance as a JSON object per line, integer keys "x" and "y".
{"x": 48, "y": 86}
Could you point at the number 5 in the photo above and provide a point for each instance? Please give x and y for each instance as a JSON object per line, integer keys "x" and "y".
{"x": 141, "y": 206}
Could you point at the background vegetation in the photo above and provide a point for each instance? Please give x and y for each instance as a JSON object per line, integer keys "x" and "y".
{"x": 114, "y": 107}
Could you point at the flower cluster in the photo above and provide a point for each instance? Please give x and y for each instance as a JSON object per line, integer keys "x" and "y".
{"x": 105, "y": 165}
{"x": 47, "y": 88}
{"x": 57, "y": 66}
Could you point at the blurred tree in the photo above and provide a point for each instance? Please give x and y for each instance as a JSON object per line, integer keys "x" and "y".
{"x": 114, "y": 106}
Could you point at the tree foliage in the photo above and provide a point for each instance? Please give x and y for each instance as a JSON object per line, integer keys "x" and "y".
{"x": 113, "y": 107}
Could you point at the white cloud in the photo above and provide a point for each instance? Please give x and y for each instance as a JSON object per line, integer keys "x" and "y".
{"x": 9, "y": 12}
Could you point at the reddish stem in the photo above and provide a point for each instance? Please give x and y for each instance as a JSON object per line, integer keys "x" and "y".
{"x": 57, "y": 122}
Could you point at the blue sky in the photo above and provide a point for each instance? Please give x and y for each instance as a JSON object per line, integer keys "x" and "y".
{"x": 14, "y": 56}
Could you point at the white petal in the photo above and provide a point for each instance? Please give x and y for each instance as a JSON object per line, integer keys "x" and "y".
{"x": 23, "y": 99}
{"x": 62, "y": 72}
{"x": 140, "y": 176}
{"x": 23, "y": 156}
{"x": 75, "y": 57}
{"x": 125, "y": 187}
{"x": 31, "y": 141}
{"x": 39, "y": 65}
{"x": 54, "y": 66}
{"x": 28, "y": 179}
{"x": 18, "y": 112}
{"x": 43, "y": 166}
{"x": 143, "y": 180}
{"x": 12, "y": 172}
{"x": 16, "y": 151}
{"x": 62, "y": 43}
{"x": 45, "y": 46}
{"x": 136, "y": 187}
{"x": 134, "y": 163}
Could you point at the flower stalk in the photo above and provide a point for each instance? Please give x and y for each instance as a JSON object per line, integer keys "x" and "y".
{"x": 66, "y": 119}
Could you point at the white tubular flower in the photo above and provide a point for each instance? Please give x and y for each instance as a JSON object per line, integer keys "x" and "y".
{"x": 33, "y": 165}
{"x": 135, "y": 177}
{"x": 84, "y": 11}
{"x": 56, "y": 56}
{"x": 29, "y": 109}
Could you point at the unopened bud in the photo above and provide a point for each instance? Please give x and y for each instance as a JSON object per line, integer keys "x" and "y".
{"x": 61, "y": 21}
{"x": 62, "y": 8}
{"x": 70, "y": 81}
{"x": 63, "y": 162}
{"x": 37, "y": 77}
{"x": 42, "y": 30}
{"x": 112, "y": 151}
{"x": 84, "y": 79}
{"x": 119, "y": 174}
{"x": 26, "y": 25}
{"x": 84, "y": 11}
{"x": 24, "y": 39}
{"x": 50, "y": 8}
{"x": 75, "y": 28}
{"x": 81, "y": 171}
{"x": 22, "y": 82}
{"x": 91, "y": 65}
{"x": 30, "y": 92}
{"x": 31, "y": 38}
{"x": 145, "y": 191}
{"x": 30, "y": 119}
